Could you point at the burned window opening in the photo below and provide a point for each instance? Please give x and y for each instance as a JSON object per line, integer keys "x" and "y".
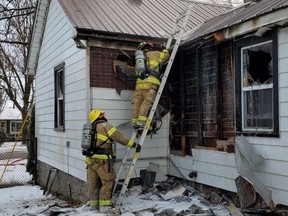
{"x": 257, "y": 107}
{"x": 124, "y": 67}
{"x": 257, "y": 64}
{"x": 257, "y": 87}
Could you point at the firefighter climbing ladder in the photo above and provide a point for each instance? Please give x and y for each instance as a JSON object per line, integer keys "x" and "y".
{"x": 177, "y": 31}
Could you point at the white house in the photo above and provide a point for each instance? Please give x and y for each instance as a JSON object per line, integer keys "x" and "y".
{"x": 74, "y": 51}
{"x": 10, "y": 121}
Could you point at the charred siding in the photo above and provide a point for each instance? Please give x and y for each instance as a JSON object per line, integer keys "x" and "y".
{"x": 205, "y": 83}
{"x": 227, "y": 89}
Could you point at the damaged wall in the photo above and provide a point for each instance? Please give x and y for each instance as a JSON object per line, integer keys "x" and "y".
{"x": 207, "y": 91}
{"x": 218, "y": 169}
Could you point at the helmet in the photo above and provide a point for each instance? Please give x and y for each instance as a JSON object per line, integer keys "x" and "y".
{"x": 95, "y": 114}
{"x": 145, "y": 45}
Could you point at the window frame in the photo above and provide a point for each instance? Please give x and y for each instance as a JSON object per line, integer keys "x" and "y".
{"x": 239, "y": 46}
{"x": 11, "y": 127}
{"x": 59, "y": 97}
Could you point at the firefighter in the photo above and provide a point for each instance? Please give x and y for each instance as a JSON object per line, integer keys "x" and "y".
{"x": 147, "y": 84}
{"x": 100, "y": 171}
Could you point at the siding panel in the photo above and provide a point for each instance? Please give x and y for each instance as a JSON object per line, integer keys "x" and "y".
{"x": 58, "y": 47}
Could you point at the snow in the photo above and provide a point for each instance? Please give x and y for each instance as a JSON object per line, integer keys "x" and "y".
{"x": 170, "y": 197}
{"x": 10, "y": 113}
{"x": 29, "y": 200}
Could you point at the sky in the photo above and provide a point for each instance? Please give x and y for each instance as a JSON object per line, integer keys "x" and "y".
{"x": 170, "y": 195}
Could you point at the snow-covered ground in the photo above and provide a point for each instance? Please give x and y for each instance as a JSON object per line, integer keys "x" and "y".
{"x": 169, "y": 197}
{"x": 13, "y": 160}
{"x": 29, "y": 200}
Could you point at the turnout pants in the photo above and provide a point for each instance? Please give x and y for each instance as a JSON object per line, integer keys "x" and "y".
{"x": 142, "y": 101}
{"x": 100, "y": 182}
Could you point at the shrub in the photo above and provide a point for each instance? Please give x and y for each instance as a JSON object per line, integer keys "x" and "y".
{"x": 3, "y": 136}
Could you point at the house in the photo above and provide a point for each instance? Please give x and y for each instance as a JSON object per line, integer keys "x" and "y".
{"x": 10, "y": 122}
{"x": 74, "y": 52}
{"x": 75, "y": 49}
{"x": 231, "y": 99}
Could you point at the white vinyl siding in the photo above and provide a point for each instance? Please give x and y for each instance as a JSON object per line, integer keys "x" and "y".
{"x": 61, "y": 149}
{"x": 118, "y": 111}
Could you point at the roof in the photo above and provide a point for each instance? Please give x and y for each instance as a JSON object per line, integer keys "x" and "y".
{"x": 237, "y": 16}
{"x": 149, "y": 18}
{"x": 10, "y": 114}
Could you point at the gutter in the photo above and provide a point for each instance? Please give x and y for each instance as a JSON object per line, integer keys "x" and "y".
{"x": 279, "y": 17}
{"x": 84, "y": 34}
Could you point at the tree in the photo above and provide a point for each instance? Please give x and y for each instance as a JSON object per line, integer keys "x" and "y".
{"x": 16, "y": 23}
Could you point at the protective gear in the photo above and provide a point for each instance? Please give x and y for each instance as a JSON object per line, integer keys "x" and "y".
{"x": 146, "y": 89}
{"x": 137, "y": 147}
{"x": 100, "y": 170}
{"x": 95, "y": 114}
{"x": 145, "y": 45}
{"x": 86, "y": 136}
{"x": 140, "y": 64}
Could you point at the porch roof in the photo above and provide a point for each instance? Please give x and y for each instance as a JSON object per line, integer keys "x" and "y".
{"x": 248, "y": 14}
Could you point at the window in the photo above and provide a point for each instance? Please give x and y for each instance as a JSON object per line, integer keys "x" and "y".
{"x": 257, "y": 86}
{"x": 15, "y": 126}
{"x": 59, "y": 118}
{"x": 3, "y": 126}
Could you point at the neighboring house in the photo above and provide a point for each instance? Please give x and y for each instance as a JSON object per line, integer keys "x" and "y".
{"x": 231, "y": 96}
{"x": 10, "y": 122}
{"x": 75, "y": 50}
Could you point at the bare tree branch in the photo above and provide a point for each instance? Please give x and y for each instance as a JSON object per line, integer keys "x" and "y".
{"x": 14, "y": 42}
{"x": 16, "y": 22}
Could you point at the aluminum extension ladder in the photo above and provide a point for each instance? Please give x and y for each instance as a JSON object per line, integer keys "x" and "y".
{"x": 177, "y": 31}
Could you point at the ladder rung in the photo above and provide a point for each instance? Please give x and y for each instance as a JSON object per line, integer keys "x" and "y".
{"x": 120, "y": 183}
{"x": 176, "y": 24}
{"x": 175, "y": 33}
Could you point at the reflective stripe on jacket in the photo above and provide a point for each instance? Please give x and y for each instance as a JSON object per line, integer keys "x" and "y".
{"x": 154, "y": 59}
{"x": 104, "y": 135}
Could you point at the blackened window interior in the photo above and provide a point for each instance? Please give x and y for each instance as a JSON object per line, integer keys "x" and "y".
{"x": 257, "y": 87}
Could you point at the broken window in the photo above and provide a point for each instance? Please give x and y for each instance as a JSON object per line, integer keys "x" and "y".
{"x": 257, "y": 87}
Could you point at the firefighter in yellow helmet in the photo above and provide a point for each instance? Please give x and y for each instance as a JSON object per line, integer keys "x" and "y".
{"x": 147, "y": 83}
{"x": 99, "y": 160}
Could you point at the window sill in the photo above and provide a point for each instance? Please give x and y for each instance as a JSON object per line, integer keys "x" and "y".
{"x": 59, "y": 129}
{"x": 258, "y": 133}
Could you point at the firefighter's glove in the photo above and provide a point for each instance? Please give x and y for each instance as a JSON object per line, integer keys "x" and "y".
{"x": 137, "y": 147}
{"x": 87, "y": 152}
{"x": 84, "y": 152}
{"x": 142, "y": 75}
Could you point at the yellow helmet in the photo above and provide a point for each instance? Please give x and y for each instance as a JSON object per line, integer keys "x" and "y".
{"x": 95, "y": 114}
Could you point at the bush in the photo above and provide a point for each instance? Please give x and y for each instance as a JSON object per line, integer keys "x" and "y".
{"x": 3, "y": 136}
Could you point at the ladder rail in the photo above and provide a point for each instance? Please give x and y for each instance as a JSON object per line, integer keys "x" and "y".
{"x": 156, "y": 101}
{"x": 123, "y": 162}
{"x": 176, "y": 22}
